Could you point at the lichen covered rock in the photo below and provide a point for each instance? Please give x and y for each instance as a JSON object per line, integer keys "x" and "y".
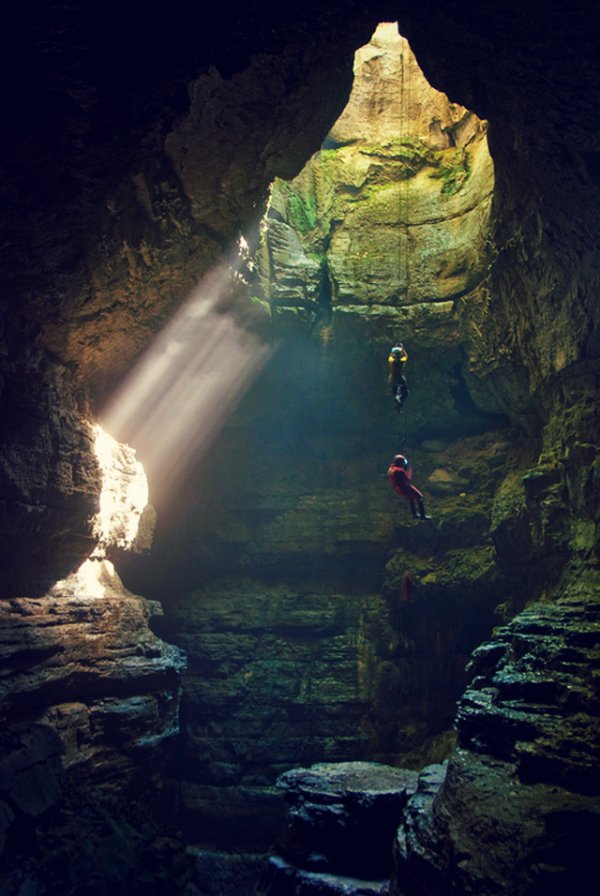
{"x": 397, "y": 204}
{"x": 518, "y": 807}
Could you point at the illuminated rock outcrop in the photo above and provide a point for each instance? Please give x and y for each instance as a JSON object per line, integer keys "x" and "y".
{"x": 89, "y": 699}
{"x": 396, "y": 204}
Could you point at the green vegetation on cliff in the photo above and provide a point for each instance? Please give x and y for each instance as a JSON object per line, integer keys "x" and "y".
{"x": 455, "y": 173}
{"x": 302, "y": 209}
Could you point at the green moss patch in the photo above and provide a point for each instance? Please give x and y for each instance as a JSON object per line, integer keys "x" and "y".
{"x": 453, "y": 172}
{"x": 302, "y": 210}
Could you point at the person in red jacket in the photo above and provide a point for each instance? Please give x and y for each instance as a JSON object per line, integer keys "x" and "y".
{"x": 400, "y": 475}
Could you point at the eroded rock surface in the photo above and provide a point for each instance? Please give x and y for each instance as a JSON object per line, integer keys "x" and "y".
{"x": 89, "y": 699}
{"x": 49, "y": 478}
{"x": 518, "y": 808}
{"x": 394, "y": 210}
{"x": 341, "y": 824}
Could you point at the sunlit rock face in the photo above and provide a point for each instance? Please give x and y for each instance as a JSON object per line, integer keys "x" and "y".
{"x": 124, "y": 496}
{"x": 387, "y": 229}
{"x": 88, "y": 702}
{"x": 49, "y": 483}
{"x": 396, "y": 204}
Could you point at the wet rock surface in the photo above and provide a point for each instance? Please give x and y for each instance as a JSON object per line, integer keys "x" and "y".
{"x": 89, "y": 701}
{"x": 341, "y": 824}
{"x": 518, "y": 807}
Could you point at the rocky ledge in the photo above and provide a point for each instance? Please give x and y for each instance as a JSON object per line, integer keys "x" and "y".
{"x": 88, "y": 700}
{"x": 518, "y": 810}
{"x": 341, "y": 826}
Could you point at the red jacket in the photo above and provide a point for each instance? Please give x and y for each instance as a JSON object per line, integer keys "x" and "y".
{"x": 400, "y": 480}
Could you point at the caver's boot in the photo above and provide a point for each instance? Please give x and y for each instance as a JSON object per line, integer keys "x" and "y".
{"x": 422, "y": 514}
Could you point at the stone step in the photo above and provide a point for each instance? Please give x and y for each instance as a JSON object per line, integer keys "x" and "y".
{"x": 282, "y": 879}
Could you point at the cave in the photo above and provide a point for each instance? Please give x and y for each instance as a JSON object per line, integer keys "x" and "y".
{"x": 276, "y": 681}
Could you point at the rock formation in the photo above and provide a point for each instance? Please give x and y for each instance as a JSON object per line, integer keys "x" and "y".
{"x": 522, "y": 786}
{"x": 89, "y": 700}
{"x": 137, "y": 148}
{"x": 341, "y": 822}
{"x": 396, "y": 206}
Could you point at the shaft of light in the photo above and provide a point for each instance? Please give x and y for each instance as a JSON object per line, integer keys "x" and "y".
{"x": 183, "y": 390}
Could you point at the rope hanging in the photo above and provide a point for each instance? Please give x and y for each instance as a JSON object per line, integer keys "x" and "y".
{"x": 403, "y": 259}
{"x": 403, "y": 174}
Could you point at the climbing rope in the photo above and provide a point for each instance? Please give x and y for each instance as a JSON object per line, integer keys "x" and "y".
{"x": 403, "y": 259}
{"x": 402, "y": 175}
{"x": 404, "y": 415}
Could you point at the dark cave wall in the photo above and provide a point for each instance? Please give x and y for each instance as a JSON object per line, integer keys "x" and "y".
{"x": 271, "y": 573}
{"x": 106, "y": 227}
{"x": 544, "y": 145}
{"x": 102, "y": 239}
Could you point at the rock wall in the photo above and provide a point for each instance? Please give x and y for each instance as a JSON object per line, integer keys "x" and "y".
{"x": 89, "y": 701}
{"x": 517, "y": 807}
{"x": 395, "y": 208}
{"x": 105, "y": 227}
{"x": 100, "y": 242}
{"x": 321, "y": 623}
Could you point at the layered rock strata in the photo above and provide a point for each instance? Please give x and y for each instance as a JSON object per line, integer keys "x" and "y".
{"x": 394, "y": 212}
{"x": 341, "y": 824}
{"x": 518, "y": 807}
{"x": 89, "y": 699}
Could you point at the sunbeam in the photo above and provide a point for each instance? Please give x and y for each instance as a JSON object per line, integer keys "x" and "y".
{"x": 184, "y": 389}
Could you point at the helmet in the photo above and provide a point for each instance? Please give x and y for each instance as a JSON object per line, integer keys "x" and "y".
{"x": 398, "y": 349}
{"x": 400, "y": 461}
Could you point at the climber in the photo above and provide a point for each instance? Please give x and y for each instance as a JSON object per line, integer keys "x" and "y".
{"x": 399, "y": 475}
{"x": 396, "y": 361}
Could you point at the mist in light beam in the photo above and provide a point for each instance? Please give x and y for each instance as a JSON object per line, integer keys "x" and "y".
{"x": 183, "y": 390}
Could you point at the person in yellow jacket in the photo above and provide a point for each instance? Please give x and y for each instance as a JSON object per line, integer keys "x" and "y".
{"x": 396, "y": 361}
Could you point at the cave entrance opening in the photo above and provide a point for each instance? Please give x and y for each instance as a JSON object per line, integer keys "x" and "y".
{"x": 391, "y": 214}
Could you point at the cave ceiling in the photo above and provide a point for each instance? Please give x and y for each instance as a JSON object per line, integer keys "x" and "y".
{"x": 138, "y": 144}
{"x": 105, "y": 227}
